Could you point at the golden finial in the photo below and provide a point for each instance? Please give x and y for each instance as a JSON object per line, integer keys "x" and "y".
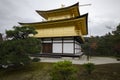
{"x": 62, "y": 5}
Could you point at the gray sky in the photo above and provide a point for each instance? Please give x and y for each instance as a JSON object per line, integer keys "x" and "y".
{"x": 102, "y": 13}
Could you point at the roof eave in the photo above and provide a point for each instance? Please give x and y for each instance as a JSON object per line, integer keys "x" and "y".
{"x": 43, "y": 13}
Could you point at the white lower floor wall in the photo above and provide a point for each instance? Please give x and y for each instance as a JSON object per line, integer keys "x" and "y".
{"x": 57, "y": 48}
{"x": 78, "y": 48}
{"x": 66, "y": 48}
{"x": 61, "y": 45}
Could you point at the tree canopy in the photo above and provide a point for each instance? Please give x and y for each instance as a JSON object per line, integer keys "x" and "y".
{"x": 16, "y": 50}
{"x": 21, "y": 32}
{"x": 108, "y": 45}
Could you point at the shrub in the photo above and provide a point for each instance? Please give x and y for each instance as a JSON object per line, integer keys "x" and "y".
{"x": 89, "y": 67}
{"x": 63, "y": 70}
{"x": 36, "y": 59}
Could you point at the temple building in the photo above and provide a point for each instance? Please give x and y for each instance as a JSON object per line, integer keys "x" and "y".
{"x": 62, "y": 30}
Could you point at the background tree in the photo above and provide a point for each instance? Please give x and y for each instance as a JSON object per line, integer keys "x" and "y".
{"x": 107, "y": 45}
{"x": 116, "y": 41}
{"x": 90, "y": 45}
{"x": 16, "y": 50}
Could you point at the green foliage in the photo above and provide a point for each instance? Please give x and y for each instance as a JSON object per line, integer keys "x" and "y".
{"x": 41, "y": 70}
{"x": 117, "y": 31}
{"x": 89, "y": 67}
{"x": 36, "y": 59}
{"x": 107, "y": 45}
{"x": 16, "y": 51}
{"x": 12, "y": 52}
{"x": 63, "y": 70}
{"x": 116, "y": 40}
{"x": 20, "y": 32}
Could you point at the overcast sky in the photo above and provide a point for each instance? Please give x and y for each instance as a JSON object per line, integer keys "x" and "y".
{"x": 104, "y": 15}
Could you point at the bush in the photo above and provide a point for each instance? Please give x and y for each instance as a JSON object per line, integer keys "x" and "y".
{"x": 36, "y": 59}
{"x": 63, "y": 70}
{"x": 89, "y": 67}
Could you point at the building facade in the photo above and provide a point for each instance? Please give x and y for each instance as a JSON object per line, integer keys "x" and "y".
{"x": 62, "y": 31}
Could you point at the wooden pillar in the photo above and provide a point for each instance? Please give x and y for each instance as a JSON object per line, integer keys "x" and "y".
{"x": 42, "y": 45}
{"x": 62, "y": 45}
{"x": 52, "y": 44}
{"x": 74, "y": 45}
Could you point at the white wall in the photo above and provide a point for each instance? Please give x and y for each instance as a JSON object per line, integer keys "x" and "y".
{"x": 68, "y": 48}
{"x": 57, "y": 48}
{"x": 77, "y": 48}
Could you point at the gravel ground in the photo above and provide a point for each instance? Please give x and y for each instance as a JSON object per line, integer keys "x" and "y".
{"x": 82, "y": 60}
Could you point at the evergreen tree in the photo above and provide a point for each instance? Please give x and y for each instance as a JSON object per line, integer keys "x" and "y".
{"x": 17, "y": 48}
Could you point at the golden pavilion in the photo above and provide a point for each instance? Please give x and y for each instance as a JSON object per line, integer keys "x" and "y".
{"x": 62, "y": 30}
